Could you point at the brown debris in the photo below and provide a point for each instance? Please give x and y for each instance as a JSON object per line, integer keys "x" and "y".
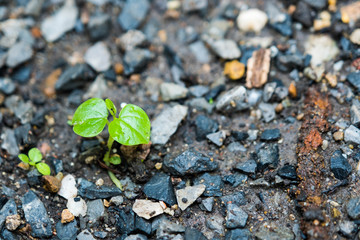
{"x": 49, "y": 87}
{"x": 51, "y": 184}
{"x": 292, "y": 90}
{"x": 66, "y": 216}
{"x": 258, "y": 68}
{"x": 234, "y": 69}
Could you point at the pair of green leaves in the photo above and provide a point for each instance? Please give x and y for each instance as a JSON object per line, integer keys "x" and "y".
{"x": 34, "y": 159}
{"x": 132, "y": 127}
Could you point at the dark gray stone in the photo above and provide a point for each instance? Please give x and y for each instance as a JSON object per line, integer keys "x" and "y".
{"x": 57, "y": 164}
{"x": 36, "y": 215}
{"x": 238, "y": 234}
{"x": 339, "y": 165}
{"x": 160, "y": 188}
{"x": 235, "y": 198}
{"x": 192, "y": 234}
{"x": 74, "y": 77}
{"x": 8, "y": 209}
{"x": 8, "y": 235}
{"x": 204, "y": 126}
{"x": 302, "y": 14}
{"x": 353, "y": 208}
{"x": 133, "y": 14}
{"x": 354, "y": 79}
{"x": 99, "y": 26}
{"x": 268, "y": 156}
{"x": 213, "y": 183}
{"x": 248, "y": 167}
{"x": 318, "y": 4}
{"x": 239, "y": 136}
{"x": 91, "y": 191}
{"x": 235, "y": 179}
{"x": 235, "y": 216}
{"x": 19, "y": 53}
{"x": 189, "y": 162}
{"x": 194, "y": 5}
{"x": 100, "y": 234}
{"x": 207, "y": 204}
{"x": 7, "y": 86}
{"x": 95, "y": 210}
{"x": 270, "y": 134}
{"x": 284, "y": 28}
{"x": 136, "y": 59}
{"x": 66, "y": 231}
{"x": 288, "y": 171}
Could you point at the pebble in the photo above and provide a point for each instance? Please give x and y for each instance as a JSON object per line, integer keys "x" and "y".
{"x": 248, "y": 167}
{"x": 234, "y": 69}
{"x": 270, "y": 134}
{"x": 168, "y": 230}
{"x": 192, "y": 233}
{"x": 8, "y": 209}
{"x": 98, "y": 57}
{"x": 239, "y": 136}
{"x": 204, "y": 126}
{"x": 95, "y": 210}
{"x": 258, "y": 67}
{"x": 233, "y": 100}
{"x": 267, "y": 111}
{"x": 74, "y": 77}
{"x": 187, "y": 196}
{"x": 215, "y": 222}
{"x": 225, "y": 48}
{"x": 322, "y": 48}
{"x": 117, "y": 200}
{"x": 89, "y": 190}
{"x": 198, "y": 90}
{"x": 68, "y": 188}
{"x": 52, "y": 184}
{"x": 133, "y": 14}
{"x": 36, "y": 215}
{"x": 85, "y": 235}
{"x": 217, "y": 138}
{"x": 355, "y": 112}
{"x": 131, "y": 40}
{"x": 19, "y": 53}
{"x": 147, "y": 209}
{"x": 99, "y": 26}
{"x": 189, "y": 162}
{"x": 238, "y": 234}
{"x": 214, "y": 92}
{"x": 268, "y": 156}
{"x": 67, "y": 231}
{"x": 160, "y": 187}
{"x": 201, "y": 104}
{"x": 172, "y": 91}
{"x": 166, "y": 124}
{"x": 77, "y": 206}
{"x": 347, "y": 228}
{"x": 194, "y": 5}
{"x": 34, "y": 7}
{"x": 235, "y": 217}
{"x": 207, "y": 204}
{"x": 302, "y": 14}
{"x": 236, "y": 147}
{"x": 97, "y": 89}
{"x": 9, "y": 142}
{"x": 339, "y": 165}
{"x": 273, "y": 231}
{"x": 352, "y": 135}
{"x": 135, "y": 60}
{"x": 12, "y": 222}
{"x": 353, "y": 208}
{"x": 200, "y": 51}
{"x": 355, "y": 36}
{"x": 53, "y": 27}
{"x": 284, "y": 27}
{"x": 66, "y": 216}
{"x": 338, "y": 135}
{"x": 251, "y": 20}
{"x": 354, "y": 79}
{"x": 214, "y": 184}
{"x": 136, "y": 237}
{"x": 288, "y": 172}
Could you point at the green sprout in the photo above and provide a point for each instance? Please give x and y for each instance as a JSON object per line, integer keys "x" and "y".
{"x": 34, "y": 159}
{"x": 131, "y": 127}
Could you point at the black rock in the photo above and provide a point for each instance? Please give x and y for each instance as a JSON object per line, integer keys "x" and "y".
{"x": 239, "y": 136}
{"x": 204, "y": 126}
{"x": 56, "y": 164}
{"x": 356, "y": 156}
{"x": 6, "y": 234}
{"x": 192, "y": 234}
{"x": 89, "y": 144}
{"x": 270, "y": 134}
{"x": 24, "y": 136}
{"x": 110, "y": 74}
{"x": 160, "y": 188}
{"x": 238, "y": 234}
{"x": 22, "y": 74}
{"x": 213, "y": 183}
{"x": 91, "y": 191}
{"x": 74, "y": 77}
{"x": 246, "y": 53}
{"x": 207, "y": 204}
{"x": 66, "y": 231}
{"x": 318, "y": 4}
{"x": 189, "y": 162}
{"x": 214, "y": 92}
{"x": 354, "y": 79}
{"x": 353, "y": 208}
{"x": 302, "y": 14}
{"x": 33, "y": 177}
{"x": 288, "y": 172}
{"x": 7, "y": 86}
{"x": 339, "y": 165}
{"x": 99, "y": 26}
{"x": 100, "y": 234}
{"x": 248, "y": 167}
{"x": 314, "y": 214}
{"x": 231, "y": 11}
{"x": 235, "y": 198}
{"x": 235, "y": 179}
{"x": 142, "y": 225}
{"x": 9, "y": 208}
{"x": 284, "y": 28}
{"x": 133, "y": 14}
{"x": 286, "y": 63}
{"x": 135, "y": 60}
{"x": 125, "y": 221}
{"x": 235, "y": 217}
{"x": 36, "y": 215}
{"x": 268, "y": 156}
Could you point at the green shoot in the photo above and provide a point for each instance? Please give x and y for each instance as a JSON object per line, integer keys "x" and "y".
{"x": 34, "y": 159}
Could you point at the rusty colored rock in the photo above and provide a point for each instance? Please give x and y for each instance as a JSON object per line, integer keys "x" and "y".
{"x": 311, "y": 161}
{"x": 51, "y": 184}
{"x": 350, "y": 12}
{"x": 50, "y": 81}
{"x": 66, "y": 216}
{"x": 258, "y": 68}
{"x": 24, "y": 166}
{"x": 234, "y": 69}
{"x": 338, "y": 136}
{"x": 356, "y": 63}
{"x": 292, "y": 90}
{"x": 119, "y": 68}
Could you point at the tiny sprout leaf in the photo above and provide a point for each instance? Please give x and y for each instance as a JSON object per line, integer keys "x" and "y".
{"x": 23, "y": 158}
{"x": 111, "y": 107}
{"x": 35, "y": 155}
{"x": 43, "y": 168}
{"x": 132, "y": 127}
{"x": 90, "y": 118}
{"x": 115, "y": 159}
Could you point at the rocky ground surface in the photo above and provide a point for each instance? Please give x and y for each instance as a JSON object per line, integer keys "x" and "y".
{"x": 254, "y": 108}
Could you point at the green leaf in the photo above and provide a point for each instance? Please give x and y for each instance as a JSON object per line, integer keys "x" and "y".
{"x": 132, "y": 127}
{"x": 111, "y": 107}
{"x": 43, "y": 168}
{"x": 35, "y": 155}
{"x": 115, "y": 159}
{"x": 23, "y": 158}
{"x": 90, "y": 118}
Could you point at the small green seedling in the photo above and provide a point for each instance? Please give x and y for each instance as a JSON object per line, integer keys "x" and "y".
{"x": 34, "y": 159}
{"x": 131, "y": 127}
